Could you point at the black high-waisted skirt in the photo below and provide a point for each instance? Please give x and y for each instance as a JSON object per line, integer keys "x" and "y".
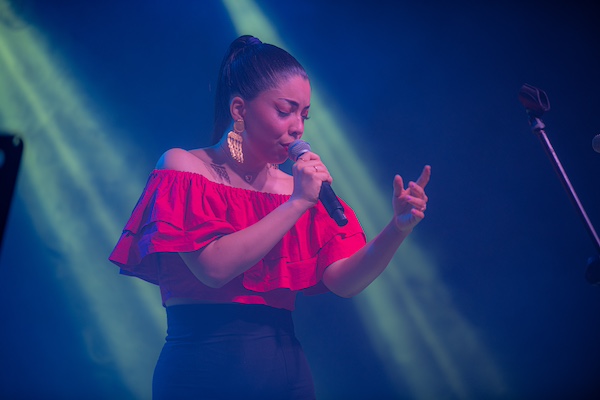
{"x": 231, "y": 351}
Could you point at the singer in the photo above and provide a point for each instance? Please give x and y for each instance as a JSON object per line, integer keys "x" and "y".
{"x": 231, "y": 239}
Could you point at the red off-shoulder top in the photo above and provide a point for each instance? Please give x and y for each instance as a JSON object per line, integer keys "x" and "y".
{"x": 184, "y": 211}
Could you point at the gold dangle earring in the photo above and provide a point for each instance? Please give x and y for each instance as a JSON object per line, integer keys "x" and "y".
{"x": 234, "y": 141}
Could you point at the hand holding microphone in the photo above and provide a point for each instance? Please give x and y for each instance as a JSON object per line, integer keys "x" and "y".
{"x": 326, "y": 195}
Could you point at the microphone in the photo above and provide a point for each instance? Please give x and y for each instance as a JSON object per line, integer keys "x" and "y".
{"x": 596, "y": 143}
{"x": 326, "y": 195}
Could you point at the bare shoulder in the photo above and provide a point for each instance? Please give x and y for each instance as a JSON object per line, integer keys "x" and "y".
{"x": 182, "y": 160}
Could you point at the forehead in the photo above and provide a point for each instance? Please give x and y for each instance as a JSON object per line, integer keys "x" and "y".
{"x": 295, "y": 88}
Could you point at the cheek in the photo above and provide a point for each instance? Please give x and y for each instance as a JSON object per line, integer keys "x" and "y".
{"x": 272, "y": 128}
{"x": 265, "y": 124}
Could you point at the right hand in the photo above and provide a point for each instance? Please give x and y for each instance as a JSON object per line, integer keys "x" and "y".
{"x": 309, "y": 173}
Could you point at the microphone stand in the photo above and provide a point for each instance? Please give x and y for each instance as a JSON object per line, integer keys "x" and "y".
{"x": 536, "y": 103}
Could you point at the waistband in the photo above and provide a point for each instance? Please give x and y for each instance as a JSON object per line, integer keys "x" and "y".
{"x": 196, "y": 321}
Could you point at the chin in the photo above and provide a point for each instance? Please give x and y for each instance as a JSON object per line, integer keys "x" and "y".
{"x": 281, "y": 156}
{"x": 279, "y": 161}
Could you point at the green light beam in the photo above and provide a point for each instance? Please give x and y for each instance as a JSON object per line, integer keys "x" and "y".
{"x": 408, "y": 311}
{"x": 68, "y": 163}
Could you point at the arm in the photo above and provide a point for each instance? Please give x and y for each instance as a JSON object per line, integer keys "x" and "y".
{"x": 232, "y": 254}
{"x": 349, "y": 276}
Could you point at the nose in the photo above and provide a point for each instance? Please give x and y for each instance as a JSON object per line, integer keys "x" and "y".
{"x": 297, "y": 128}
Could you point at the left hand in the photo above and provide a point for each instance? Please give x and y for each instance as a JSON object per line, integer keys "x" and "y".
{"x": 410, "y": 204}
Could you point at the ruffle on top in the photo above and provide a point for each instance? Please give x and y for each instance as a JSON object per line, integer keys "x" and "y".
{"x": 184, "y": 211}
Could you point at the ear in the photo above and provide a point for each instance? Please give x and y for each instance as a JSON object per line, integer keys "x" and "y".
{"x": 237, "y": 108}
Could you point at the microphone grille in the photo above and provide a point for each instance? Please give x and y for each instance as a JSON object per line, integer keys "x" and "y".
{"x": 297, "y": 148}
{"x": 596, "y": 143}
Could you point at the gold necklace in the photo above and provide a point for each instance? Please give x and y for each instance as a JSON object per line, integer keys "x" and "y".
{"x": 249, "y": 177}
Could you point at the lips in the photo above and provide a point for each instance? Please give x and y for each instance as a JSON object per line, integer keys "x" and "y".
{"x": 285, "y": 150}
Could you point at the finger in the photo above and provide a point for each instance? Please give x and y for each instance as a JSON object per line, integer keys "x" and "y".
{"x": 398, "y": 186}
{"x": 315, "y": 168}
{"x": 328, "y": 177}
{"x": 416, "y": 190}
{"x": 321, "y": 171}
{"x": 318, "y": 167}
{"x": 425, "y": 175}
{"x": 417, "y": 202}
{"x": 418, "y": 214}
{"x": 309, "y": 156}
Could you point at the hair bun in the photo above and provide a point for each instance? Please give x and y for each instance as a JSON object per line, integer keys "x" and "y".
{"x": 253, "y": 40}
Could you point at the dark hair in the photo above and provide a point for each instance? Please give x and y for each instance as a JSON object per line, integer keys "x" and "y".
{"x": 249, "y": 68}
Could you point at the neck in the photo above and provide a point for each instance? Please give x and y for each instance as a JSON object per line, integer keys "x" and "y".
{"x": 249, "y": 172}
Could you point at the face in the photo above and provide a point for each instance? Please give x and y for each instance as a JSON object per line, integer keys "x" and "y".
{"x": 275, "y": 118}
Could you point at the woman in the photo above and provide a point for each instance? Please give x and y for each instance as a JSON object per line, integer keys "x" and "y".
{"x": 231, "y": 239}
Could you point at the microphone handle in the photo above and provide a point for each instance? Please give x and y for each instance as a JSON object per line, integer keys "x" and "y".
{"x": 332, "y": 204}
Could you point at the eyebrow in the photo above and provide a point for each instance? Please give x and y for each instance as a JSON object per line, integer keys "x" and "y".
{"x": 293, "y": 103}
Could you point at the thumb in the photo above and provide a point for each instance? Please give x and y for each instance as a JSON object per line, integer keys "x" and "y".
{"x": 398, "y": 185}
